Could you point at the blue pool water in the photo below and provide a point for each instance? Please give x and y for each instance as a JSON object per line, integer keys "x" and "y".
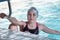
{"x": 49, "y": 13}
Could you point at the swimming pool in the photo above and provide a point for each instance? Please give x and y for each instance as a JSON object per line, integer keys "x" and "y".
{"x": 49, "y": 13}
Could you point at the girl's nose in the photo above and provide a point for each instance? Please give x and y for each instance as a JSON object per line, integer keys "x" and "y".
{"x": 31, "y": 16}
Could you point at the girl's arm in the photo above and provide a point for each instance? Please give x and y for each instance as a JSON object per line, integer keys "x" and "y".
{"x": 48, "y": 30}
{"x": 12, "y": 19}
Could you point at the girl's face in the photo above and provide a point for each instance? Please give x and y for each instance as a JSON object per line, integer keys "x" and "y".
{"x": 32, "y": 16}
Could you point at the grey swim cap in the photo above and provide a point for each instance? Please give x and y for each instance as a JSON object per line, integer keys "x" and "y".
{"x": 33, "y": 9}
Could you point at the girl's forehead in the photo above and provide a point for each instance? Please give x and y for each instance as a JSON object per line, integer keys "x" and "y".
{"x": 32, "y": 12}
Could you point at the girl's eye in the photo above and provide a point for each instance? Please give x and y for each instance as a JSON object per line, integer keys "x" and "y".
{"x": 29, "y": 14}
{"x": 33, "y": 14}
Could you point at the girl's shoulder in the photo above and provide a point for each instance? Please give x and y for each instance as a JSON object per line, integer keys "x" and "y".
{"x": 24, "y": 23}
{"x": 40, "y": 26}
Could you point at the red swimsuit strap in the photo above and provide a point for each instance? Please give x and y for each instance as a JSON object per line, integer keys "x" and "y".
{"x": 36, "y": 24}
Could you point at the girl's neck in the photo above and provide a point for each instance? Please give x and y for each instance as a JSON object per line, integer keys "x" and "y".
{"x": 32, "y": 25}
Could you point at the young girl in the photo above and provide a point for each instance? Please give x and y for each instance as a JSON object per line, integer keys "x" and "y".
{"x": 31, "y": 25}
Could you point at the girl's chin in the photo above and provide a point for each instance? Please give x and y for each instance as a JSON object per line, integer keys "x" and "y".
{"x": 31, "y": 21}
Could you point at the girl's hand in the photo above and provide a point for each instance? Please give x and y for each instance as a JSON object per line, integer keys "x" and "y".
{"x": 2, "y": 15}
